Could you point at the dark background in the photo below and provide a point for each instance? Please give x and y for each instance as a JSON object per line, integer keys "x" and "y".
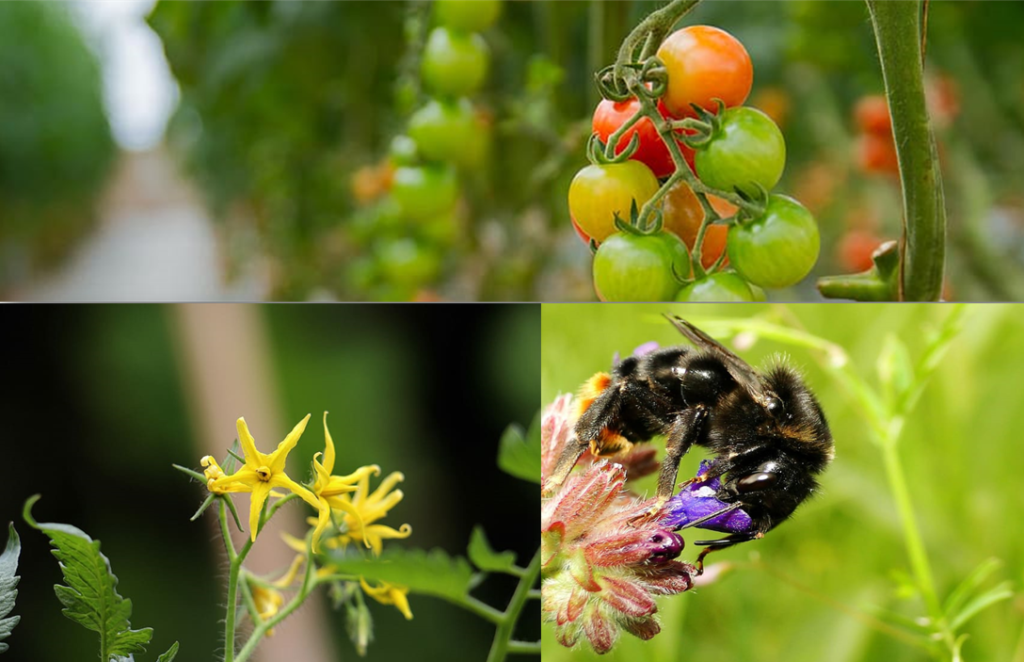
{"x": 94, "y": 409}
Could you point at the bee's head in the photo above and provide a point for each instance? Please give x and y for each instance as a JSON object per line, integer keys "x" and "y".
{"x": 795, "y": 410}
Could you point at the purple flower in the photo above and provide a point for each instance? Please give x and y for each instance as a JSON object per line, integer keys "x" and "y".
{"x": 697, "y": 500}
{"x": 645, "y": 348}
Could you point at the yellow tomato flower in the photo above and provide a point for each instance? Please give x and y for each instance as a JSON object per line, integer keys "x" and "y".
{"x": 327, "y": 486}
{"x": 362, "y": 509}
{"x": 389, "y": 594}
{"x": 260, "y": 473}
{"x": 268, "y": 602}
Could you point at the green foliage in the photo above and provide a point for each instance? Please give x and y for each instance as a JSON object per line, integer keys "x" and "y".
{"x": 485, "y": 558}
{"x": 55, "y": 143}
{"x": 430, "y": 573}
{"x": 169, "y": 655}
{"x": 9, "y": 585}
{"x": 90, "y": 597}
{"x": 519, "y": 452}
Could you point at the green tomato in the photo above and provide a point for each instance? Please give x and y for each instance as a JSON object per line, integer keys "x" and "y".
{"x": 454, "y": 64}
{"x": 402, "y": 151}
{"x": 467, "y": 15}
{"x": 599, "y": 192}
{"x": 747, "y": 150}
{"x": 422, "y": 192}
{"x": 406, "y": 262}
{"x": 442, "y": 231}
{"x": 723, "y": 286}
{"x": 779, "y": 248}
{"x": 448, "y": 131}
{"x": 631, "y": 267}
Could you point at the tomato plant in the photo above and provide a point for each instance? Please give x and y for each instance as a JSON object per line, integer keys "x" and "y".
{"x": 406, "y": 262}
{"x": 423, "y": 192}
{"x": 723, "y": 286}
{"x": 682, "y": 215}
{"x": 630, "y": 266}
{"x": 704, "y": 63}
{"x": 598, "y": 192}
{"x": 467, "y": 15}
{"x": 746, "y": 150}
{"x": 454, "y": 63}
{"x": 448, "y": 131}
{"x": 779, "y": 248}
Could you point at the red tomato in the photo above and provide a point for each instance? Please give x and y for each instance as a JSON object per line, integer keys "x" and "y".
{"x": 704, "y": 63}
{"x": 872, "y": 115}
{"x": 877, "y": 153}
{"x": 855, "y": 250}
{"x": 652, "y": 151}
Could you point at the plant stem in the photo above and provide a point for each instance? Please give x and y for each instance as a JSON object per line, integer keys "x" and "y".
{"x": 898, "y": 34}
{"x": 503, "y": 637}
{"x": 652, "y": 30}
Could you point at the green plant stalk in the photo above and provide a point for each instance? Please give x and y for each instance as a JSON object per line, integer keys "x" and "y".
{"x": 923, "y": 247}
{"x": 651, "y": 31}
{"x": 503, "y": 644}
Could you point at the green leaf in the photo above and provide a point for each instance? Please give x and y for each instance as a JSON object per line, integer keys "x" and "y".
{"x": 9, "y": 585}
{"x": 485, "y": 558}
{"x": 90, "y": 597}
{"x": 996, "y": 594}
{"x": 169, "y": 655}
{"x": 969, "y": 585}
{"x": 429, "y": 573}
{"x": 519, "y": 456}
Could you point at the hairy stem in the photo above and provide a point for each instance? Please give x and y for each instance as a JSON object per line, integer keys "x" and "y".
{"x": 502, "y": 645}
{"x": 898, "y": 31}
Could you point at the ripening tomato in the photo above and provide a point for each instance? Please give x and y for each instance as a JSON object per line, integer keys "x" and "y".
{"x": 579, "y": 231}
{"x": 598, "y": 192}
{"x": 448, "y": 131}
{"x": 877, "y": 154}
{"x": 631, "y": 267}
{"x": 467, "y": 15}
{"x": 872, "y": 115}
{"x": 651, "y": 151}
{"x": 704, "y": 63}
{"x": 723, "y": 287}
{"x": 682, "y": 215}
{"x": 747, "y": 149}
{"x": 406, "y": 262}
{"x": 454, "y": 64}
{"x": 779, "y": 248}
{"x": 855, "y": 250}
{"x": 424, "y": 192}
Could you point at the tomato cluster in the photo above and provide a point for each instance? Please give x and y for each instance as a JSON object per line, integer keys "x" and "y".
{"x": 708, "y": 163}
{"x": 415, "y": 222}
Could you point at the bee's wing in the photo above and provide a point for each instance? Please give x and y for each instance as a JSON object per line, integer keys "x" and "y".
{"x": 740, "y": 370}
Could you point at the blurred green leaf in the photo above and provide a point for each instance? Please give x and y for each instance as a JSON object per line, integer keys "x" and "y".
{"x": 485, "y": 558}
{"x": 895, "y": 373}
{"x": 998, "y": 593}
{"x": 519, "y": 456}
{"x": 9, "y": 585}
{"x": 429, "y": 573}
{"x": 90, "y": 597}
{"x": 969, "y": 585}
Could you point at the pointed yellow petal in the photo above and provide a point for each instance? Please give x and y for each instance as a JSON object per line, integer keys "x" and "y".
{"x": 282, "y": 480}
{"x": 382, "y": 531}
{"x": 287, "y": 578}
{"x": 385, "y": 486}
{"x": 344, "y": 504}
{"x": 400, "y": 601}
{"x": 323, "y": 519}
{"x": 294, "y": 543}
{"x": 259, "y": 495}
{"x": 328, "y": 448}
{"x": 253, "y": 458}
{"x": 277, "y": 459}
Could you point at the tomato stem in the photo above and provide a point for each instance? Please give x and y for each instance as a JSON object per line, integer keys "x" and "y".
{"x": 898, "y": 32}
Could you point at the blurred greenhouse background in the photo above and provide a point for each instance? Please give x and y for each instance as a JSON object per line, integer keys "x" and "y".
{"x": 234, "y": 150}
{"x": 99, "y": 401}
{"x": 808, "y": 590}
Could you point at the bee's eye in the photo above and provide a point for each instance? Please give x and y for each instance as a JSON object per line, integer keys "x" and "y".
{"x": 774, "y": 406}
{"x": 755, "y": 482}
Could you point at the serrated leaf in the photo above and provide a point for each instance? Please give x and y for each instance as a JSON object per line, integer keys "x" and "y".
{"x": 984, "y": 601}
{"x": 428, "y": 573}
{"x": 9, "y": 585}
{"x": 969, "y": 585}
{"x": 484, "y": 557}
{"x": 519, "y": 454}
{"x": 90, "y": 597}
{"x": 169, "y": 655}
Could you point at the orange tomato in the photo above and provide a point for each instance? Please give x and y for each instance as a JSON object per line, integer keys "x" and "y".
{"x": 704, "y": 63}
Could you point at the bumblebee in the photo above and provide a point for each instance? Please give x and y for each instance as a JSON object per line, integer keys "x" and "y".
{"x": 765, "y": 429}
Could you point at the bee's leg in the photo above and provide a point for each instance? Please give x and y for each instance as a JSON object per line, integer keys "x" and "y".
{"x": 684, "y": 432}
{"x": 590, "y": 426}
{"x": 723, "y": 543}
